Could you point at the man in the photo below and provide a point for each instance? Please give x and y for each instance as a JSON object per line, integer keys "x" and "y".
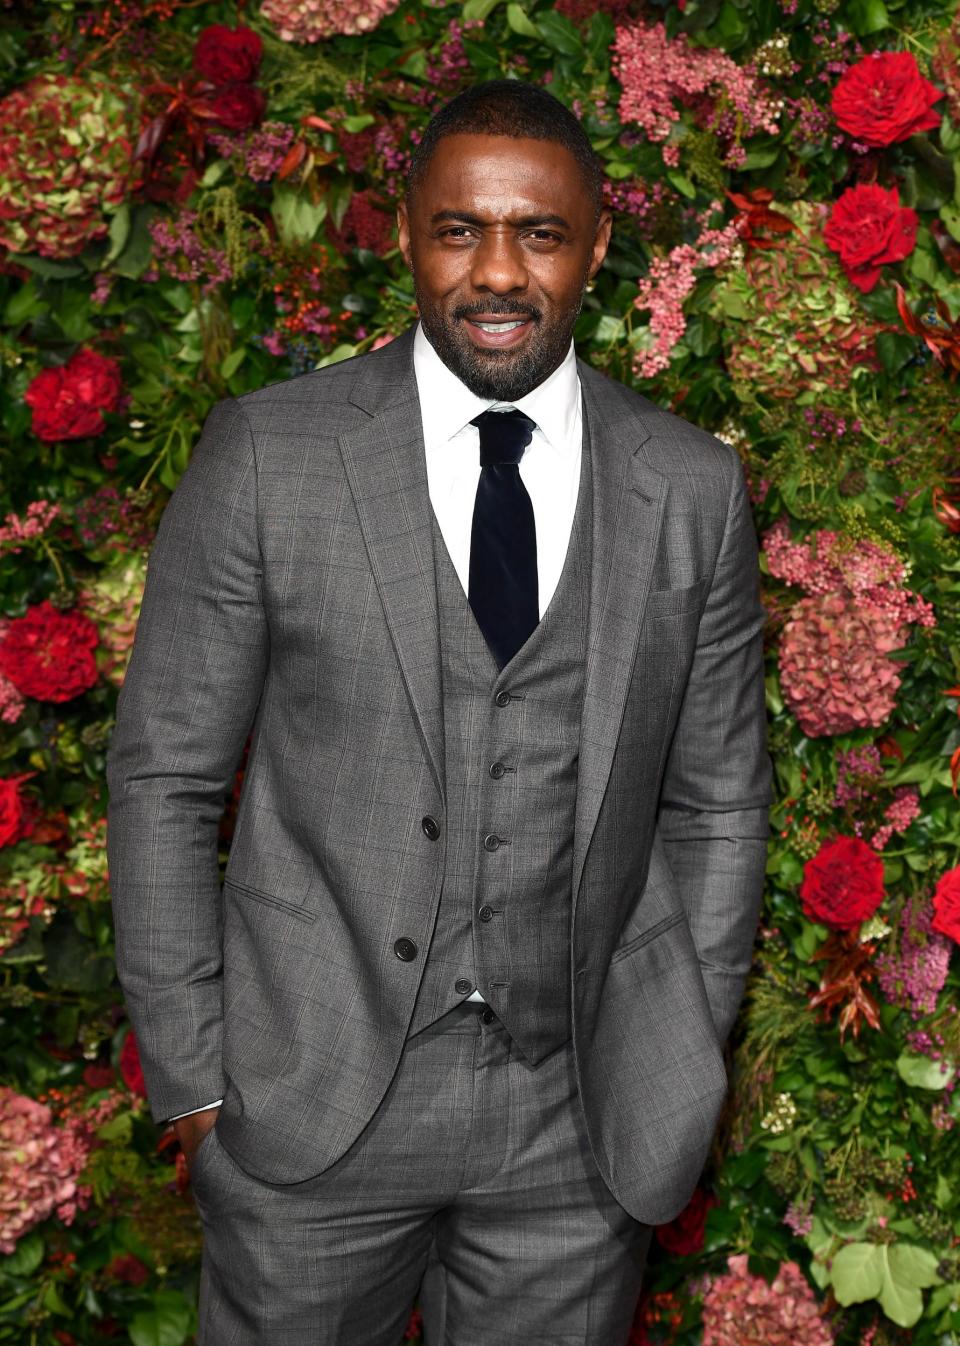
{"x": 494, "y": 880}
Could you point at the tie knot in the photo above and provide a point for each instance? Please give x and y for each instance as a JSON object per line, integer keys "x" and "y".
{"x": 503, "y": 436}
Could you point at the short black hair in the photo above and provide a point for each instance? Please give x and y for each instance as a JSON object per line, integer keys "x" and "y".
{"x": 509, "y": 107}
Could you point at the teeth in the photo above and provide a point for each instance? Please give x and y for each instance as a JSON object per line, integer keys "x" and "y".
{"x": 498, "y": 326}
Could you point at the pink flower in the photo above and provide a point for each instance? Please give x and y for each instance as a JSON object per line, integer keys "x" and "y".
{"x": 917, "y": 973}
{"x": 316, "y": 20}
{"x": 741, "y": 1309}
{"x": 658, "y": 73}
{"x": 40, "y": 1165}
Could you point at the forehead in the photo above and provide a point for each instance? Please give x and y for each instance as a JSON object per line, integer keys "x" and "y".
{"x": 503, "y": 174}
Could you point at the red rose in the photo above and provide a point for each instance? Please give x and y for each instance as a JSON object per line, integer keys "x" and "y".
{"x": 868, "y": 227}
{"x": 68, "y": 401}
{"x": 225, "y": 55}
{"x": 131, "y": 1070}
{"x": 15, "y": 820}
{"x": 843, "y": 883}
{"x": 685, "y": 1233}
{"x": 125, "y": 1267}
{"x": 48, "y": 654}
{"x": 237, "y": 107}
{"x": 98, "y": 1077}
{"x": 884, "y": 98}
{"x": 946, "y": 904}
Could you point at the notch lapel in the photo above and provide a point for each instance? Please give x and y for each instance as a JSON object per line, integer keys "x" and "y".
{"x": 628, "y": 507}
{"x": 386, "y": 471}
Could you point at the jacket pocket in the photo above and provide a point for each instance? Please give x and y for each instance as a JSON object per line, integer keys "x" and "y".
{"x": 270, "y": 900}
{"x": 662, "y": 603}
{"x": 665, "y": 923}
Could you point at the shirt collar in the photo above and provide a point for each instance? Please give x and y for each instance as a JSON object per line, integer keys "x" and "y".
{"x": 447, "y": 404}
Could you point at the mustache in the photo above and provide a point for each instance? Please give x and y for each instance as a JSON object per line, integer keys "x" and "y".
{"x": 500, "y": 308}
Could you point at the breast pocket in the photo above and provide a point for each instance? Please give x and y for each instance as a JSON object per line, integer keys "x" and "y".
{"x": 662, "y": 604}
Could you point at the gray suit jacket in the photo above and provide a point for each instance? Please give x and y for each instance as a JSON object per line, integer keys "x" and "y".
{"x": 290, "y": 588}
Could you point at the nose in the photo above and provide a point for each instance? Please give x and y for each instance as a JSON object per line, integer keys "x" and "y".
{"x": 498, "y": 264}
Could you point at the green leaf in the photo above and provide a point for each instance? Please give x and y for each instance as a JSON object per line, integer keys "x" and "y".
{"x": 296, "y": 217}
{"x": 559, "y": 33}
{"x": 907, "y": 1269}
{"x": 119, "y": 233}
{"x": 359, "y": 122}
{"x": 138, "y": 248}
{"x": 867, "y": 16}
{"x": 25, "y": 1258}
{"x": 616, "y": 169}
{"x": 342, "y": 352}
{"x": 895, "y": 349}
{"x": 166, "y": 1324}
{"x": 944, "y": 1193}
{"x": 232, "y": 362}
{"x": 519, "y": 22}
{"x": 857, "y": 1273}
{"x": 479, "y": 9}
{"x": 922, "y": 1073}
{"x": 45, "y": 266}
{"x": 23, "y": 304}
{"x": 681, "y": 182}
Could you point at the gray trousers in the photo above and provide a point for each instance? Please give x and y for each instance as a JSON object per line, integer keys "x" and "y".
{"x": 472, "y": 1188}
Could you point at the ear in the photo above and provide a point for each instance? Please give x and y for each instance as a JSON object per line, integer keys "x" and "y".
{"x": 601, "y": 241}
{"x": 403, "y": 233}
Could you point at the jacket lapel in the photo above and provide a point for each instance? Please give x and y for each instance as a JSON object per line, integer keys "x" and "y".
{"x": 628, "y": 507}
{"x": 386, "y": 470}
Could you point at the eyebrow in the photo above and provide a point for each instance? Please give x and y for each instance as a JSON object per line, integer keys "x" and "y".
{"x": 524, "y": 221}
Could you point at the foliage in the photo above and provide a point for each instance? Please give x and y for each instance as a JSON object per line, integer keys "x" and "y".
{"x": 232, "y": 225}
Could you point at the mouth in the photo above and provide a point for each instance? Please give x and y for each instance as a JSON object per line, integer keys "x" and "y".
{"x": 496, "y": 331}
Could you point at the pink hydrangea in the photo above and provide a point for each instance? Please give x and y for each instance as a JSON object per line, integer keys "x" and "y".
{"x": 658, "y": 72}
{"x": 834, "y": 670}
{"x": 826, "y": 562}
{"x": 740, "y": 1309}
{"x": 40, "y": 1166}
{"x": 316, "y": 20}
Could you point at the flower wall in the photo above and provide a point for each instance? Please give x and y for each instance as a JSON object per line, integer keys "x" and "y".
{"x": 197, "y": 200}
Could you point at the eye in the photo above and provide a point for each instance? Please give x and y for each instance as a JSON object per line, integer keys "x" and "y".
{"x": 544, "y": 236}
{"x": 456, "y": 231}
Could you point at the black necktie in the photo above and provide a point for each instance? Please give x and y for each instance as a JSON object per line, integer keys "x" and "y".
{"x": 503, "y": 540}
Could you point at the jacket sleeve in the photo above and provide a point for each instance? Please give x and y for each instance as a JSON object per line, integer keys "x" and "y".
{"x": 184, "y": 711}
{"x": 714, "y": 804}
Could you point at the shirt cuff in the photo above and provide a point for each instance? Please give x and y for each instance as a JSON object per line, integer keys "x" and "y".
{"x": 193, "y": 1110}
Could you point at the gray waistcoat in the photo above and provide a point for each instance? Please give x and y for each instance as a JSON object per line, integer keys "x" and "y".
{"x": 503, "y": 925}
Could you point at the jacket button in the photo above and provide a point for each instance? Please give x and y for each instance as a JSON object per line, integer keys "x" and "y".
{"x": 431, "y": 828}
{"x": 462, "y": 986}
{"x": 405, "y": 949}
{"x": 491, "y": 841}
{"x": 497, "y": 770}
{"x": 485, "y": 913}
{"x": 502, "y": 698}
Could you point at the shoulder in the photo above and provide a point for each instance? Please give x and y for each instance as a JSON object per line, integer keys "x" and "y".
{"x": 673, "y": 446}
{"x": 331, "y": 400}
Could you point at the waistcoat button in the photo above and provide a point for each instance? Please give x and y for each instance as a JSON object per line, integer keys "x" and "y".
{"x": 485, "y": 913}
{"x": 491, "y": 841}
{"x": 405, "y": 949}
{"x": 502, "y": 698}
{"x": 462, "y": 986}
{"x": 497, "y": 769}
{"x": 431, "y": 828}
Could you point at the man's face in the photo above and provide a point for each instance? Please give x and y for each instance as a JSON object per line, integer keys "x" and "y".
{"x": 501, "y": 239}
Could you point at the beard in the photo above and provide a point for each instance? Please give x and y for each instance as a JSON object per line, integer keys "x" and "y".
{"x": 500, "y": 375}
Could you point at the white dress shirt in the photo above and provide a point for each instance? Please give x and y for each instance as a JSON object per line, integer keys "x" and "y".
{"x": 549, "y": 469}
